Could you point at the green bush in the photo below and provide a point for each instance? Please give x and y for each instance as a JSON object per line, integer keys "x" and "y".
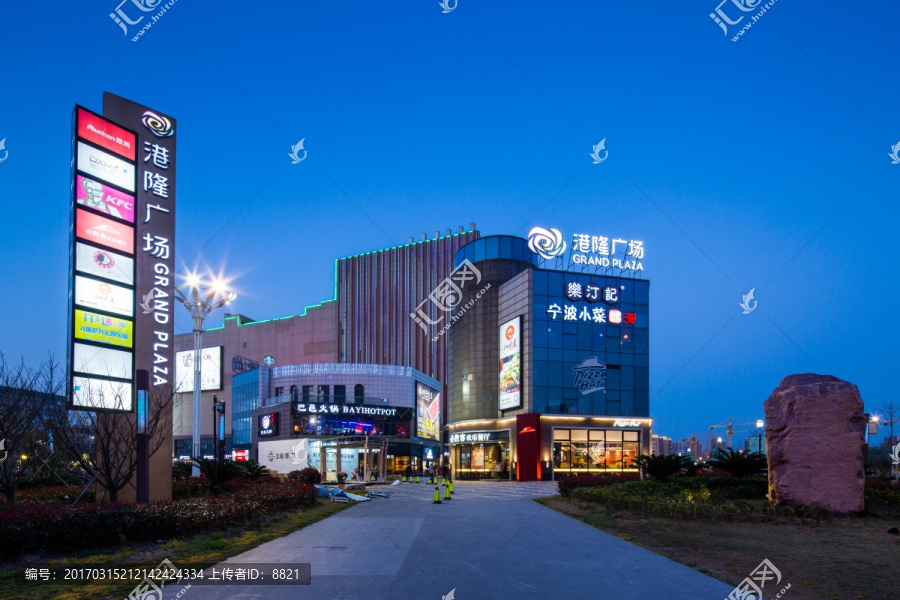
{"x": 254, "y": 469}
{"x": 739, "y": 464}
{"x": 226, "y": 469}
{"x": 190, "y": 487}
{"x": 663, "y": 466}
{"x": 308, "y": 475}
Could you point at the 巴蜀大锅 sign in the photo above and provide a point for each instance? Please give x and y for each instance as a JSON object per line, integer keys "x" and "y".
{"x": 154, "y": 219}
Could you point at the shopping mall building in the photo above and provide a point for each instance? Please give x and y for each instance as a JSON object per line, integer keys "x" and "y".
{"x": 536, "y": 352}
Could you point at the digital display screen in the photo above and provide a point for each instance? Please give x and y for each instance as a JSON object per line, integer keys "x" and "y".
{"x": 105, "y": 166}
{"x": 428, "y": 412}
{"x": 104, "y": 296}
{"x": 104, "y": 263}
{"x": 100, "y": 328}
{"x": 103, "y": 231}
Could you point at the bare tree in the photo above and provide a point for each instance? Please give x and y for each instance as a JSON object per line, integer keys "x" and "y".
{"x": 24, "y": 394}
{"x": 104, "y": 443}
{"x": 890, "y": 413}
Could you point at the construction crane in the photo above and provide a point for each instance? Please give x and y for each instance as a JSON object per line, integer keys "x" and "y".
{"x": 729, "y": 426}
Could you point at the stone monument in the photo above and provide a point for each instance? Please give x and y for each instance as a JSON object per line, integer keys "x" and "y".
{"x": 815, "y": 433}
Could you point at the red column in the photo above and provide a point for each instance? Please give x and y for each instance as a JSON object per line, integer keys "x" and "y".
{"x": 528, "y": 447}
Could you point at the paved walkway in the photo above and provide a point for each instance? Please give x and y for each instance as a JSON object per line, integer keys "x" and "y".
{"x": 490, "y": 542}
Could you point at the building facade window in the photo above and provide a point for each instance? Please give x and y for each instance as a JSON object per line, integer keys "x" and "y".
{"x": 244, "y": 398}
{"x": 340, "y": 394}
{"x": 359, "y": 394}
{"x": 324, "y": 393}
{"x": 577, "y": 451}
{"x": 279, "y": 391}
{"x": 294, "y": 394}
{"x": 307, "y": 392}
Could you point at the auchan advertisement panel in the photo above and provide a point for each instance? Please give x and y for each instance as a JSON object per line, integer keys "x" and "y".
{"x": 105, "y": 134}
{"x": 100, "y": 328}
{"x": 103, "y": 231}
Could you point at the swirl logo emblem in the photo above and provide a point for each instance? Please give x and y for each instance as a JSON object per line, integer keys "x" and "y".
{"x": 4, "y": 150}
{"x": 158, "y": 125}
{"x": 546, "y": 242}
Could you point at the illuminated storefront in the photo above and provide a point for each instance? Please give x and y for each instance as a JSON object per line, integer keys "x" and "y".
{"x": 557, "y": 360}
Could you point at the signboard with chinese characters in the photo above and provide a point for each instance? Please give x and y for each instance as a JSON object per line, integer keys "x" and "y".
{"x": 268, "y": 425}
{"x": 428, "y": 411}
{"x": 584, "y": 308}
{"x": 478, "y": 437}
{"x": 210, "y": 370}
{"x": 344, "y": 410}
{"x": 100, "y": 359}
{"x": 154, "y": 217}
{"x": 587, "y": 250}
{"x": 510, "y": 394}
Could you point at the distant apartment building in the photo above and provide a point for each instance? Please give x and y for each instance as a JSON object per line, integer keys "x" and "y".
{"x": 661, "y": 445}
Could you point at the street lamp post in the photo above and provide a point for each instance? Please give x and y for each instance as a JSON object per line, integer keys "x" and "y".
{"x": 218, "y": 431}
{"x": 215, "y": 297}
{"x": 759, "y": 431}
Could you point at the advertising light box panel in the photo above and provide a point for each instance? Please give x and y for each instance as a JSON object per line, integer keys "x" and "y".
{"x": 105, "y": 166}
{"x": 105, "y": 134}
{"x": 104, "y": 263}
{"x": 99, "y": 394}
{"x": 210, "y": 370}
{"x": 103, "y": 198}
{"x": 100, "y": 328}
{"x": 104, "y": 296}
{"x": 105, "y": 362}
{"x": 103, "y": 231}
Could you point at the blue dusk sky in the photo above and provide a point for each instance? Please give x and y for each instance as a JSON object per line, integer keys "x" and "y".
{"x": 758, "y": 163}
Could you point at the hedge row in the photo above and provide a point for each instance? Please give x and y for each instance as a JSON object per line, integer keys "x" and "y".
{"x": 58, "y": 529}
{"x": 567, "y": 484}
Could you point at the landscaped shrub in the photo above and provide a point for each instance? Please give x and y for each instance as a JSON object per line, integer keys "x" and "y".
{"x": 56, "y": 494}
{"x": 47, "y": 528}
{"x": 308, "y": 475}
{"x": 190, "y": 488}
{"x": 567, "y": 484}
{"x": 884, "y": 492}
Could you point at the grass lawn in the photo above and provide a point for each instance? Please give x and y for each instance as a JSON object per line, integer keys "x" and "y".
{"x": 841, "y": 559}
{"x": 198, "y": 552}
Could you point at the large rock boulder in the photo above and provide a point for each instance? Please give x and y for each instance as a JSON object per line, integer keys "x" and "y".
{"x": 815, "y": 433}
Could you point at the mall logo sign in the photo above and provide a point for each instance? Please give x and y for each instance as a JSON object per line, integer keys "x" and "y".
{"x": 296, "y": 159}
{"x": 548, "y": 243}
{"x": 445, "y": 4}
{"x": 590, "y": 376}
{"x": 722, "y": 19}
{"x": 746, "y": 299}
{"x": 596, "y": 153}
{"x": 300, "y": 453}
{"x": 895, "y": 455}
{"x": 5, "y": 152}
{"x": 751, "y": 587}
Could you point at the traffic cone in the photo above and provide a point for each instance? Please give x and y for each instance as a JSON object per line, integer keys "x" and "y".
{"x": 437, "y": 495}
{"x": 447, "y": 493}
{"x": 450, "y": 485}
{"x": 417, "y": 479}
{"x": 373, "y": 476}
